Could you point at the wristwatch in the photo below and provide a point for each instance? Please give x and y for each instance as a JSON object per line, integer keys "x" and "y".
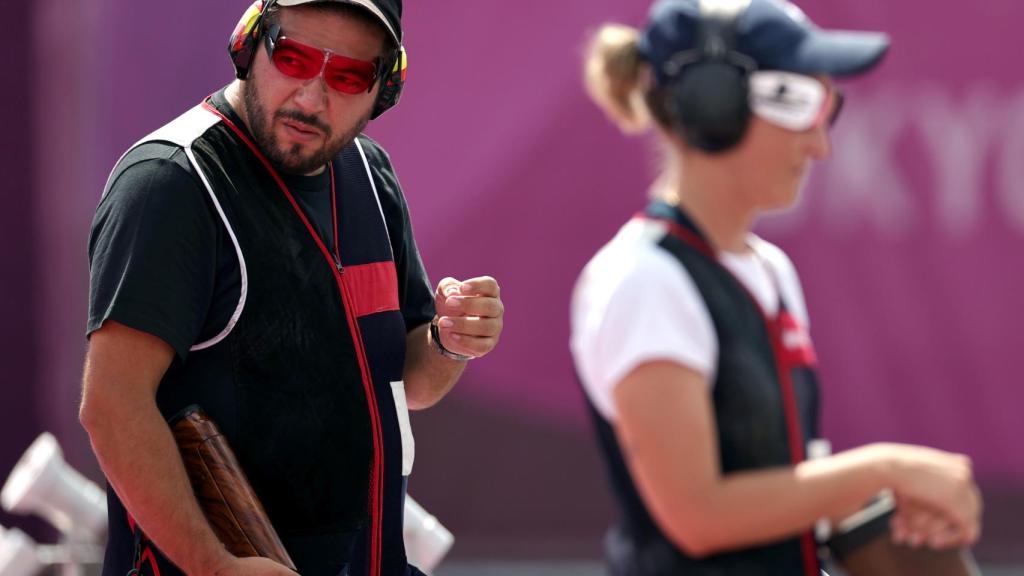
{"x": 435, "y": 338}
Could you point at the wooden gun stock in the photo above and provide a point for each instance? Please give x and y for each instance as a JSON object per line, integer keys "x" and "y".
{"x": 225, "y": 496}
{"x": 863, "y": 546}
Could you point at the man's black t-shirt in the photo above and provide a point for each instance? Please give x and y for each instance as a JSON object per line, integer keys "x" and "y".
{"x": 313, "y": 194}
{"x": 163, "y": 262}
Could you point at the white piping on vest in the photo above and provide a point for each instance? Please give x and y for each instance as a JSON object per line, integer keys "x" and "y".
{"x": 238, "y": 251}
{"x": 376, "y": 197}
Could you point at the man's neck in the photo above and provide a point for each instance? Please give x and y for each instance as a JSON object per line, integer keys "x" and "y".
{"x": 233, "y": 94}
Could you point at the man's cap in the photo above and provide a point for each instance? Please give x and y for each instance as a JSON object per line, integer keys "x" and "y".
{"x": 389, "y": 12}
{"x": 774, "y": 34}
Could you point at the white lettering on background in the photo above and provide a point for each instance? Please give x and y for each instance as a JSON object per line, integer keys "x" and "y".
{"x": 862, "y": 182}
{"x": 1010, "y": 170}
{"x": 958, "y": 140}
{"x": 905, "y": 156}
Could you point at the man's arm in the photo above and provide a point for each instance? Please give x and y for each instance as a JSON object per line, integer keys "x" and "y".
{"x": 470, "y": 318}
{"x": 428, "y": 375}
{"x": 138, "y": 454}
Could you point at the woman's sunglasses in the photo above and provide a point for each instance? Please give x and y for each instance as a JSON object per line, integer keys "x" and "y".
{"x": 794, "y": 101}
{"x": 304, "y": 62}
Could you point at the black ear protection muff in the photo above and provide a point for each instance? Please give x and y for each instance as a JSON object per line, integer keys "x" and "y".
{"x": 709, "y": 99}
{"x": 392, "y": 79}
{"x": 246, "y": 39}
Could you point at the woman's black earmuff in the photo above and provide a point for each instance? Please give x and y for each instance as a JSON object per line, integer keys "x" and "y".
{"x": 709, "y": 91}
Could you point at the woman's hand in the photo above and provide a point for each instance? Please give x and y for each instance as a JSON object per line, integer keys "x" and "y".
{"x": 915, "y": 524}
{"x": 938, "y": 502}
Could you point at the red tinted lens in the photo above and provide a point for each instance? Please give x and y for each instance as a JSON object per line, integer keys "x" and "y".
{"x": 349, "y": 75}
{"x": 301, "y": 61}
{"x": 297, "y": 60}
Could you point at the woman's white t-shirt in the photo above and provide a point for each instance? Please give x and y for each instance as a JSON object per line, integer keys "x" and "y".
{"x": 635, "y": 303}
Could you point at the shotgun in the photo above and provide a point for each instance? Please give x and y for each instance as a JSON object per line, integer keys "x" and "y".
{"x": 863, "y": 546}
{"x": 224, "y": 494}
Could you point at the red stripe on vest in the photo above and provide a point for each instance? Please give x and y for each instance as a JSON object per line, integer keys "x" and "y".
{"x": 147, "y": 556}
{"x": 372, "y": 287}
{"x": 797, "y": 347}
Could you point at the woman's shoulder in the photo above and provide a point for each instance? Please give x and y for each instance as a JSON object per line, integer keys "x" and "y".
{"x": 632, "y": 256}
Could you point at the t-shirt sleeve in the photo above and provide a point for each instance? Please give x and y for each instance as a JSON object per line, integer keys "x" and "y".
{"x": 415, "y": 294}
{"x": 152, "y": 253}
{"x": 636, "y": 308}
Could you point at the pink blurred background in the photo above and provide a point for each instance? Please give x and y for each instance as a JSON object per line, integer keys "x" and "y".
{"x": 908, "y": 240}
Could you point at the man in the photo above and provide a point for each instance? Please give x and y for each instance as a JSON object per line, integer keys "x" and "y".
{"x": 255, "y": 257}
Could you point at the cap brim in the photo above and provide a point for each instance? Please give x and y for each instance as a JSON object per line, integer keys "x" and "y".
{"x": 838, "y": 52}
{"x": 365, "y": 4}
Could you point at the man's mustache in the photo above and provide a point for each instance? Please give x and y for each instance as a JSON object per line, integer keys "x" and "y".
{"x": 305, "y": 119}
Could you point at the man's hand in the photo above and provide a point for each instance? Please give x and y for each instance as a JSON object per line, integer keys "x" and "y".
{"x": 469, "y": 322}
{"x": 470, "y": 315}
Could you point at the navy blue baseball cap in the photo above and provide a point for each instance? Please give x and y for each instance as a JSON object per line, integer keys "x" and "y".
{"x": 773, "y": 34}
{"x": 389, "y": 12}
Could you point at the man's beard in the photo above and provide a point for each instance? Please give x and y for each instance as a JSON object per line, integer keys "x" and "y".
{"x": 292, "y": 160}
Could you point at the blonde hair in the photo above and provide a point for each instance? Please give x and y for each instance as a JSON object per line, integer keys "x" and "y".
{"x": 615, "y": 76}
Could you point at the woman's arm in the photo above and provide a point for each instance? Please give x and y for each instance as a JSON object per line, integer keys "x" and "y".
{"x": 666, "y": 428}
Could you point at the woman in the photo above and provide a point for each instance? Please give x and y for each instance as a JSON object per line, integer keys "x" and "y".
{"x": 689, "y": 333}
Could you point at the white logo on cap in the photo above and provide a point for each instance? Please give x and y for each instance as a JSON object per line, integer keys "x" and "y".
{"x": 723, "y": 8}
{"x": 794, "y": 12}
